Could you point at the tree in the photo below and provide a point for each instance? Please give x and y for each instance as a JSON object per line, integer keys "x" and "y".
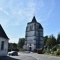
{"x": 58, "y": 38}
{"x": 21, "y": 42}
{"x": 45, "y": 39}
{"x": 12, "y": 46}
{"x": 51, "y": 41}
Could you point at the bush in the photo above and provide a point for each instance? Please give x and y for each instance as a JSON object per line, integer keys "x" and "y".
{"x": 54, "y": 48}
{"x": 48, "y": 50}
{"x": 21, "y": 49}
{"x": 40, "y": 51}
{"x": 9, "y": 50}
{"x": 35, "y": 50}
{"x": 57, "y": 52}
{"x": 43, "y": 51}
{"x": 13, "y": 50}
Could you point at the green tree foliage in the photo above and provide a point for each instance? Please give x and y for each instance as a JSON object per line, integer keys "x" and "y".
{"x": 55, "y": 48}
{"x": 12, "y": 46}
{"x": 45, "y": 39}
{"x": 51, "y": 41}
{"x": 58, "y": 38}
{"x": 21, "y": 42}
{"x": 15, "y": 45}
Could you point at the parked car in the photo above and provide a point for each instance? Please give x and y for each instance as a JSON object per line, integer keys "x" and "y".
{"x": 13, "y": 53}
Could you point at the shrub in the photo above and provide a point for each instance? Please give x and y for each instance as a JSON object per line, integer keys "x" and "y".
{"x": 40, "y": 51}
{"x": 44, "y": 51}
{"x": 54, "y": 48}
{"x": 35, "y": 50}
{"x": 48, "y": 50}
{"x": 21, "y": 49}
{"x": 57, "y": 52}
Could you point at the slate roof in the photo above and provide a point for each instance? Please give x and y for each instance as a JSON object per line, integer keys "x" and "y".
{"x": 34, "y": 21}
{"x": 2, "y": 33}
{"x": 40, "y": 26}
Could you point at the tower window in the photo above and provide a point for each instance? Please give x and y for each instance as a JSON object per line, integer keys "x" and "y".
{"x": 31, "y": 27}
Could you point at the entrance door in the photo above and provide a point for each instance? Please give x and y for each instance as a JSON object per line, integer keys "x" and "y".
{"x": 30, "y": 47}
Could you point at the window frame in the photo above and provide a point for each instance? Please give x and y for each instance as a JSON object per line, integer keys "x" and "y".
{"x": 2, "y": 45}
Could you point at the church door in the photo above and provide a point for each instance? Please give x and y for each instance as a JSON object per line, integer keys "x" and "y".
{"x": 30, "y": 48}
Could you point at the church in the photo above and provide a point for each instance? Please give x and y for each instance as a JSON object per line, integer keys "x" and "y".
{"x": 34, "y": 36}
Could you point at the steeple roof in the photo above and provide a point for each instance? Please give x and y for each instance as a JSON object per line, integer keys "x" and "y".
{"x": 2, "y": 33}
{"x": 34, "y": 19}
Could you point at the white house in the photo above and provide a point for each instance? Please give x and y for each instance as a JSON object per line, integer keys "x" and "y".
{"x": 3, "y": 42}
{"x": 34, "y": 36}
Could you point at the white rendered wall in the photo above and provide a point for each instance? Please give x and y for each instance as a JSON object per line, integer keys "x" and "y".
{"x": 5, "y": 51}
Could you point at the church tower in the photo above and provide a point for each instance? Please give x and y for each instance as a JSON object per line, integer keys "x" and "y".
{"x": 34, "y": 35}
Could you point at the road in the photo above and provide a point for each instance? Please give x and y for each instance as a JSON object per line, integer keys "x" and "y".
{"x": 44, "y": 57}
{"x": 30, "y": 56}
{"x": 23, "y": 57}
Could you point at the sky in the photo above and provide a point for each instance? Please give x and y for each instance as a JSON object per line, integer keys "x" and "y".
{"x": 15, "y": 14}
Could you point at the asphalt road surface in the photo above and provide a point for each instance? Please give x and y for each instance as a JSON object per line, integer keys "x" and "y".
{"x": 40, "y": 56}
{"x": 30, "y": 56}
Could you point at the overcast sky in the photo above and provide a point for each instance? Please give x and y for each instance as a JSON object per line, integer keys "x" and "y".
{"x": 15, "y": 14}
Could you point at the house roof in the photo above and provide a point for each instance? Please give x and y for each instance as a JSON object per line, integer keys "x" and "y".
{"x": 34, "y": 21}
{"x": 2, "y": 33}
